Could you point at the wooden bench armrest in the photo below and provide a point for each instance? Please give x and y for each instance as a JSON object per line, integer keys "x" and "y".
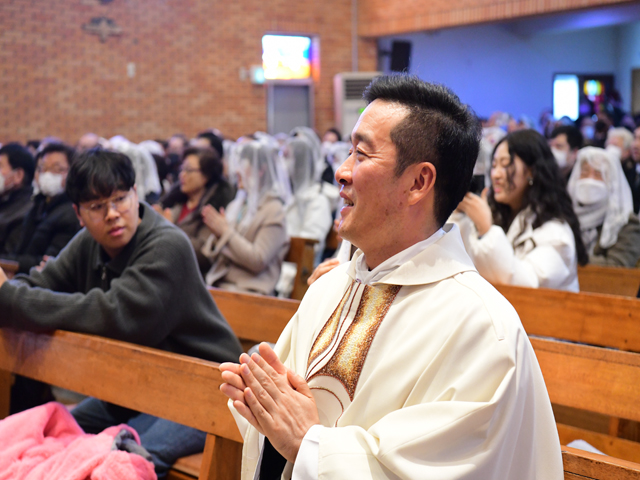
{"x": 167, "y": 385}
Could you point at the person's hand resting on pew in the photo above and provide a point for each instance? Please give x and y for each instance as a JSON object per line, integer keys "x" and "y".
{"x": 3, "y": 277}
{"x": 272, "y": 398}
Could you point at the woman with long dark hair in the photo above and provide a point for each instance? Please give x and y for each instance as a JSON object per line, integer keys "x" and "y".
{"x": 523, "y": 230}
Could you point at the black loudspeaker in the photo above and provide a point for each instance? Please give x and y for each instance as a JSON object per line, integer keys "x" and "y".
{"x": 400, "y": 56}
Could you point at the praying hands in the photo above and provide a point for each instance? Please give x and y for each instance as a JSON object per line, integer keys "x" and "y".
{"x": 216, "y": 221}
{"x": 272, "y": 398}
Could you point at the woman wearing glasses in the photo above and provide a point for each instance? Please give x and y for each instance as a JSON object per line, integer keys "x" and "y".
{"x": 200, "y": 184}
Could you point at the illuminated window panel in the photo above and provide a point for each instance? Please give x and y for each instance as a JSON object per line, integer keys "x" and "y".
{"x": 566, "y": 96}
{"x": 286, "y": 57}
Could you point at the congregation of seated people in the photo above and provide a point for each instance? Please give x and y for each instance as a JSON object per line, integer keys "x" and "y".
{"x": 555, "y": 198}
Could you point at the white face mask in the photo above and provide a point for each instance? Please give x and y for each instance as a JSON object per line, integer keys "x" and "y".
{"x": 561, "y": 157}
{"x": 2, "y": 184}
{"x": 590, "y": 191}
{"x": 50, "y": 184}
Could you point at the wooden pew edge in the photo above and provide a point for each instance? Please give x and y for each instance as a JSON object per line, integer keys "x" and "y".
{"x": 593, "y": 465}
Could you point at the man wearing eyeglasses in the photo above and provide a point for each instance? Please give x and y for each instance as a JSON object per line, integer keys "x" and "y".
{"x": 129, "y": 275}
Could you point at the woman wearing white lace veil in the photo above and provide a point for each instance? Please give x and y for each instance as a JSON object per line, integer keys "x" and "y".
{"x": 249, "y": 242}
{"x": 603, "y": 203}
{"x": 147, "y": 179}
{"x": 309, "y": 211}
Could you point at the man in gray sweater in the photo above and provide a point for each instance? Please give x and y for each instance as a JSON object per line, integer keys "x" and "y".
{"x": 128, "y": 275}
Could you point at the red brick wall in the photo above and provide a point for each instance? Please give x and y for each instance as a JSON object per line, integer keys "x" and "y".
{"x": 378, "y": 18}
{"x": 56, "y": 79}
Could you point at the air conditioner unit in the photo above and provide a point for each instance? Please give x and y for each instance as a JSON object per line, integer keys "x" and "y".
{"x": 347, "y": 94}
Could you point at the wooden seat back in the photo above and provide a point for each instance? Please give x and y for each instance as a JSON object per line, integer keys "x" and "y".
{"x": 610, "y": 280}
{"x": 9, "y": 266}
{"x": 302, "y": 253}
{"x": 175, "y": 387}
{"x": 595, "y": 319}
{"x": 254, "y": 318}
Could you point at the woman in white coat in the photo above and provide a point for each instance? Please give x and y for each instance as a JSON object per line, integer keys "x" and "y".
{"x": 523, "y": 230}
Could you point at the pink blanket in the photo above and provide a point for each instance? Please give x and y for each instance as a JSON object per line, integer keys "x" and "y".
{"x": 46, "y": 443}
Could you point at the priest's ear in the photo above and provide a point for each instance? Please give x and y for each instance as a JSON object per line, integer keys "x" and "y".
{"x": 423, "y": 177}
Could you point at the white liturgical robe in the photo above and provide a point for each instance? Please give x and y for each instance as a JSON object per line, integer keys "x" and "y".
{"x": 426, "y": 373}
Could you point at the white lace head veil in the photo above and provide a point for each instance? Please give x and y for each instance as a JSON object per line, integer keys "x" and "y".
{"x": 300, "y": 161}
{"x": 617, "y": 207}
{"x": 258, "y": 169}
{"x": 312, "y": 137}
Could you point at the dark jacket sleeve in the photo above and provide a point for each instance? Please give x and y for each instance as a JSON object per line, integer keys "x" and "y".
{"x": 141, "y": 306}
{"x": 49, "y": 237}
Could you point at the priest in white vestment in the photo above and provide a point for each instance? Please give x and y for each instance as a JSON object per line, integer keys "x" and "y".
{"x": 402, "y": 363}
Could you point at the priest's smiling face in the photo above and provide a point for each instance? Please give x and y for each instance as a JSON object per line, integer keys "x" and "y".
{"x": 373, "y": 194}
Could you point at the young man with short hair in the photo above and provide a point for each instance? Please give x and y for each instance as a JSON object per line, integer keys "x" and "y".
{"x": 129, "y": 275}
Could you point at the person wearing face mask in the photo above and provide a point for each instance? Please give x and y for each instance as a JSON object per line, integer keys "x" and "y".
{"x": 565, "y": 142}
{"x": 16, "y": 174}
{"x": 602, "y": 200}
{"x": 51, "y": 222}
{"x": 523, "y": 230}
{"x": 249, "y": 239}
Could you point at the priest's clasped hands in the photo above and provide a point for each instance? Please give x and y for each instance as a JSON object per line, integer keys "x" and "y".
{"x": 274, "y": 399}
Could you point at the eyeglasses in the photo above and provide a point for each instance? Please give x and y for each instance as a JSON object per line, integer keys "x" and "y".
{"x": 99, "y": 210}
{"x": 56, "y": 170}
{"x": 189, "y": 170}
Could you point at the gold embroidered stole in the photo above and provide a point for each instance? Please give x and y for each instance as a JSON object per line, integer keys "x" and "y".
{"x": 340, "y": 349}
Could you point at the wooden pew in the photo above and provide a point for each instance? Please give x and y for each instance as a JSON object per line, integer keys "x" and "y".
{"x": 611, "y": 280}
{"x": 254, "y": 318}
{"x": 176, "y": 387}
{"x": 302, "y": 253}
{"x": 9, "y": 266}
{"x": 595, "y": 319}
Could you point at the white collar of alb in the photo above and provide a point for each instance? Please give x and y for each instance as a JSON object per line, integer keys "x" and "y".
{"x": 368, "y": 277}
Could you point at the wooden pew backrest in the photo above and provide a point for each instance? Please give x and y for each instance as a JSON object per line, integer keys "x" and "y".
{"x": 590, "y": 378}
{"x": 302, "y": 253}
{"x": 254, "y": 318}
{"x": 595, "y": 319}
{"x": 611, "y": 280}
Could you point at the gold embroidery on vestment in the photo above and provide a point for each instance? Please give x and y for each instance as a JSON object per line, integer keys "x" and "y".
{"x": 346, "y": 363}
{"x": 330, "y": 329}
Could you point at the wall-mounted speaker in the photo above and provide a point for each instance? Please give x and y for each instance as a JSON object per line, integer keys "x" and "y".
{"x": 400, "y": 56}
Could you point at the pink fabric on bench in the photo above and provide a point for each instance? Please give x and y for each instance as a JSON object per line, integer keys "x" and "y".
{"x": 46, "y": 443}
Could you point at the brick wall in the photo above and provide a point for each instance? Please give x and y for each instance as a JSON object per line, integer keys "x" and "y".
{"x": 56, "y": 79}
{"x": 378, "y": 18}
